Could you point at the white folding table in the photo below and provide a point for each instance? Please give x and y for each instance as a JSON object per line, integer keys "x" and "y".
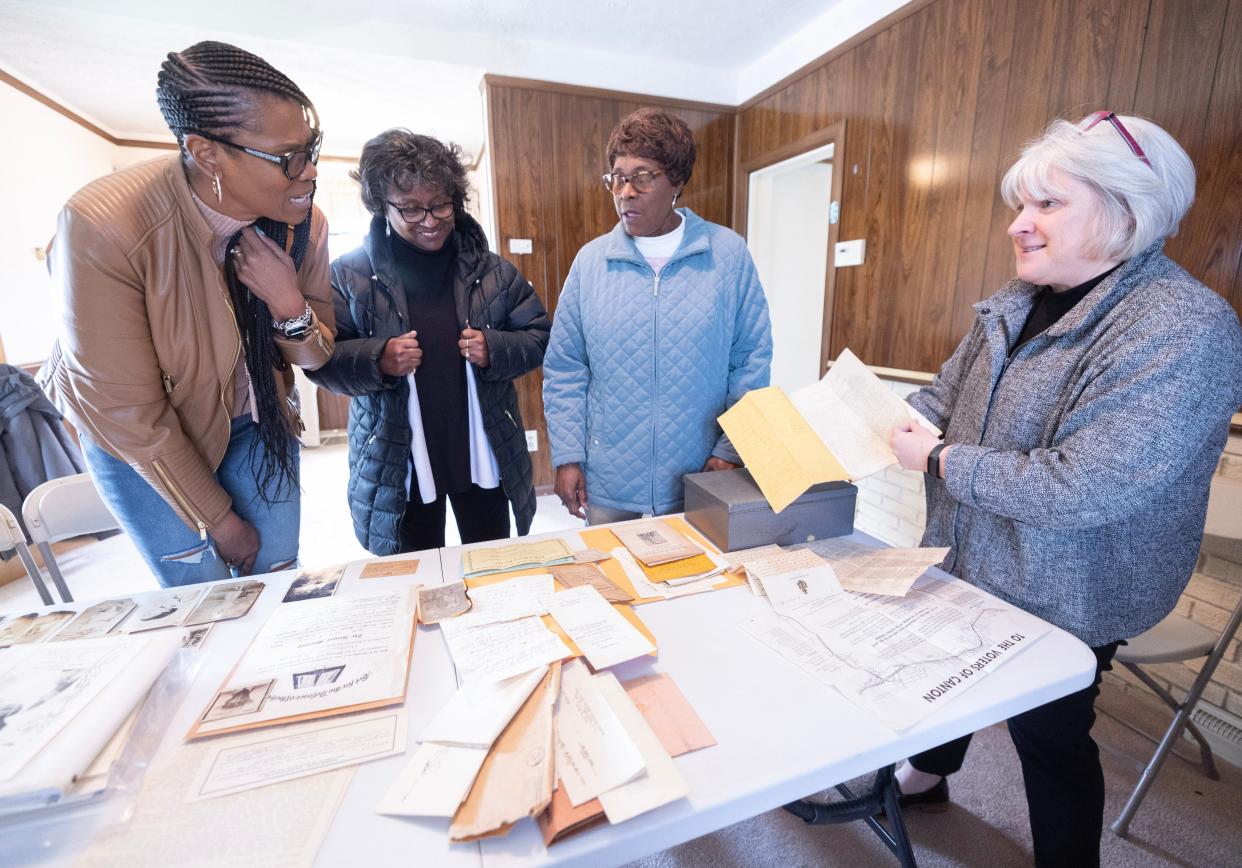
{"x": 781, "y": 734}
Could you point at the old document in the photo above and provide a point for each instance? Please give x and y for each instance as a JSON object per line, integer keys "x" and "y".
{"x": 900, "y": 658}
{"x": 660, "y": 782}
{"x": 480, "y": 710}
{"x": 670, "y": 715}
{"x": 854, "y": 413}
{"x": 508, "y": 600}
{"x": 249, "y": 760}
{"x": 654, "y": 543}
{"x": 60, "y": 704}
{"x": 781, "y": 449}
{"x": 790, "y": 579}
{"x": 504, "y": 649}
{"x": 517, "y": 776}
{"x": 517, "y": 556}
{"x": 594, "y": 753}
{"x": 324, "y": 656}
{"x": 281, "y": 826}
{"x": 871, "y": 569}
{"x": 435, "y": 781}
{"x": 737, "y": 564}
{"x": 598, "y": 629}
{"x": 576, "y": 575}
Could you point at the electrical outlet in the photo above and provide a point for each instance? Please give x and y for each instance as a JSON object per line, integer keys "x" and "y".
{"x": 532, "y": 441}
{"x": 849, "y": 253}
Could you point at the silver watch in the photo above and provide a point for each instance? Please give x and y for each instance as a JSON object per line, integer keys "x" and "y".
{"x": 295, "y": 328}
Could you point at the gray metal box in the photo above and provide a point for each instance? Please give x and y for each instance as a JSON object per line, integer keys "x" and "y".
{"x": 730, "y": 510}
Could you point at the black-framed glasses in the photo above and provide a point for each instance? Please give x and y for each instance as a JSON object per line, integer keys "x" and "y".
{"x": 642, "y": 180}
{"x": 414, "y": 214}
{"x": 1111, "y": 117}
{"x": 293, "y": 164}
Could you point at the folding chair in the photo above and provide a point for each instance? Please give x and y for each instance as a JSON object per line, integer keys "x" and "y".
{"x": 1175, "y": 639}
{"x": 60, "y": 509}
{"x": 13, "y": 538}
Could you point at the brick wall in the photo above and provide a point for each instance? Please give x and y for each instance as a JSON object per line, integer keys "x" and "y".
{"x": 891, "y": 507}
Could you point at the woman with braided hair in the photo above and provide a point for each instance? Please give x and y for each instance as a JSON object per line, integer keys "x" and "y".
{"x": 193, "y": 283}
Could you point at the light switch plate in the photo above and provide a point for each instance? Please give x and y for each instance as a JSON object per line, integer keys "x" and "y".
{"x": 849, "y": 253}
{"x": 521, "y": 245}
{"x": 532, "y": 441}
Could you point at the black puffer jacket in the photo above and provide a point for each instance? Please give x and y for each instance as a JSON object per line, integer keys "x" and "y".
{"x": 370, "y": 308}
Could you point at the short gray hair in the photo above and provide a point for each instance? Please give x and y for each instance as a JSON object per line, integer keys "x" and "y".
{"x": 1137, "y": 203}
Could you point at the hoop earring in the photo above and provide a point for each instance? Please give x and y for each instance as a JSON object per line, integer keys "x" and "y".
{"x": 215, "y": 188}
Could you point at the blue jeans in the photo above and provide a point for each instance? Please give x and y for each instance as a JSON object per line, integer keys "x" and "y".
{"x": 176, "y": 553}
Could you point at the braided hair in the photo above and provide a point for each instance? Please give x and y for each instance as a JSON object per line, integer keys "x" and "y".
{"x": 210, "y": 89}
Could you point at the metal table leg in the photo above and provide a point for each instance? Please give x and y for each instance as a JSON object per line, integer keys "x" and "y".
{"x": 883, "y": 797}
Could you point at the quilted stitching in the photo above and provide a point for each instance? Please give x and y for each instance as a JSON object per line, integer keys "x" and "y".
{"x": 368, "y": 312}
{"x": 634, "y": 380}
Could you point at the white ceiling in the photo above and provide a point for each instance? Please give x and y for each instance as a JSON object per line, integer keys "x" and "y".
{"x": 372, "y": 64}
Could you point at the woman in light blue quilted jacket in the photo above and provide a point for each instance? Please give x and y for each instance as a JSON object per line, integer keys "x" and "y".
{"x": 661, "y": 326}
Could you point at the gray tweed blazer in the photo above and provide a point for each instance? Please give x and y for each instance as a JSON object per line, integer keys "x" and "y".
{"x": 1078, "y": 486}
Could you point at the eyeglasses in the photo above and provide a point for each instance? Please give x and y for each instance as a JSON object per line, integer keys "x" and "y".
{"x": 293, "y": 164}
{"x": 414, "y": 214}
{"x": 642, "y": 180}
{"x": 1099, "y": 117}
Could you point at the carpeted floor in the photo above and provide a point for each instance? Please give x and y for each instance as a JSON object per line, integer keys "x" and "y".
{"x": 1186, "y": 820}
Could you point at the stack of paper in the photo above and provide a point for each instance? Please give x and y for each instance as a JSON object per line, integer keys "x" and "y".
{"x": 836, "y": 429}
{"x": 517, "y": 556}
{"x": 61, "y": 703}
{"x": 455, "y": 745}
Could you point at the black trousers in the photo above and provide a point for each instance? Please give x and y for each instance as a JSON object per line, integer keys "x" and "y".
{"x": 1060, "y": 768}
{"x": 482, "y": 514}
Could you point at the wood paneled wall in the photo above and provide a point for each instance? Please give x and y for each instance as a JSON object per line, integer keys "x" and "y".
{"x": 937, "y": 100}
{"x": 547, "y": 152}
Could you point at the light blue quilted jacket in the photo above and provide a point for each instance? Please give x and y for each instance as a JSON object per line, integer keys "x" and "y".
{"x": 639, "y": 366}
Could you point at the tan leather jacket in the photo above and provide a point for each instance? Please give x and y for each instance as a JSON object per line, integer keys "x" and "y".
{"x": 144, "y": 364}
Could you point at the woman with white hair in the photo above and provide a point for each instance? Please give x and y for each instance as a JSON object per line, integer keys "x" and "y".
{"x": 1084, "y": 414}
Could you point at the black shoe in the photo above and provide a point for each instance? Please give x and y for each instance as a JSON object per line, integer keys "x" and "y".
{"x": 933, "y": 801}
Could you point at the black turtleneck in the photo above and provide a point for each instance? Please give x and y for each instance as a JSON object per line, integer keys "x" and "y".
{"x": 1051, "y": 306}
{"x": 427, "y": 279}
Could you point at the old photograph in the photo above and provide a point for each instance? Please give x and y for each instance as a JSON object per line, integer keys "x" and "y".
{"x": 313, "y": 584}
{"x": 224, "y": 602}
{"x": 237, "y": 701}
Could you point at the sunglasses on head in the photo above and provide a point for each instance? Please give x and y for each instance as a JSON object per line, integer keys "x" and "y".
{"x": 1095, "y": 118}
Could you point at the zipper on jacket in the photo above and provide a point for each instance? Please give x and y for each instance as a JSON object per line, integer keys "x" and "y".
{"x": 511, "y": 419}
{"x": 655, "y": 361}
{"x": 168, "y": 383}
{"x": 215, "y": 465}
{"x": 167, "y": 481}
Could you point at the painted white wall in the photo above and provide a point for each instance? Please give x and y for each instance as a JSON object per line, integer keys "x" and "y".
{"x": 44, "y": 159}
{"x": 788, "y": 237}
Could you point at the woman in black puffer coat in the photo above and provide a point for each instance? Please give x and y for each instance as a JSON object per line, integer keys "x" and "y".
{"x": 432, "y": 329}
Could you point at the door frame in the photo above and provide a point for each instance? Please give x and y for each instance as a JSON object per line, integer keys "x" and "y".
{"x": 835, "y": 135}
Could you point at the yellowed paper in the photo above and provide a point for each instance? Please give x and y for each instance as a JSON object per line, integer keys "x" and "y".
{"x": 517, "y": 776}
{"x": 782, "y": 452}
{"x": 387, "y": 569}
